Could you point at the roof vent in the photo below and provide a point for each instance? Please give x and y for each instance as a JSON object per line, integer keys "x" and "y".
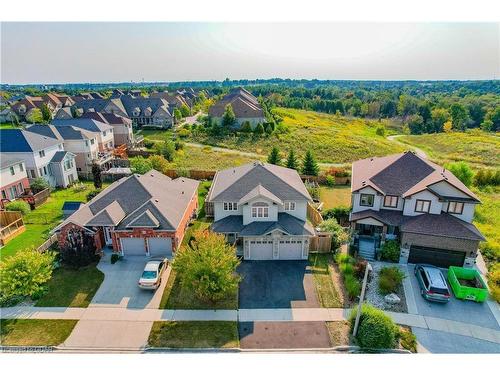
{"x": 182, "y": 192}
{"x": 156, "y": 200}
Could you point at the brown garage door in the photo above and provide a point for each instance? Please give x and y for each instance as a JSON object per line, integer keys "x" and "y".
{"x": 436, "y": 257}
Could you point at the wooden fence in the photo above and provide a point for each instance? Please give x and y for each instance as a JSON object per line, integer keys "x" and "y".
{"x": 11, "y": 223}
{"x": 321, "y": 243}
{"x": 313, "y": 215}
{"x": 37, "y": 199}
{"x": 47, "y": 244}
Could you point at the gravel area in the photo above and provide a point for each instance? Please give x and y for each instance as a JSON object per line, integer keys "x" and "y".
{"x": 374, "y": 297}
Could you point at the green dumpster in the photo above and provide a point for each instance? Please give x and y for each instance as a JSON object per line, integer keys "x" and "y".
{"x": 467, "y": 284}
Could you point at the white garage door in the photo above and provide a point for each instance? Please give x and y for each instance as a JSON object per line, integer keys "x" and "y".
{"x": 133, "y": 246}
{"x": 160, "y": 247}
{"x": 290, "y": 249}
{"x": 261, "y": 250}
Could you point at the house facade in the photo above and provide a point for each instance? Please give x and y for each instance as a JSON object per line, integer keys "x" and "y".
{"x": 262, "y": 209}
{"x": 423, "y": 206}
{"x": 13, "y": 178}
{"x": 144, "y": 215}
{"x": 39, "y": 155}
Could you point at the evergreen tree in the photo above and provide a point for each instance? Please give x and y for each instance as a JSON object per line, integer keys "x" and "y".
{"x": 274, "y": 156}
{"x": 228, "y": 119}
{"x": 259, "y": 129}
{"x": 309, "y": 166}
{"x": 96, "y": 172}
{"x": 46, "y": 113}
{"x": 291, "y": 161}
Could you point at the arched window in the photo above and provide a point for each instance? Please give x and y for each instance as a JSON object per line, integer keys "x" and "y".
{"x": 260, "y": 209}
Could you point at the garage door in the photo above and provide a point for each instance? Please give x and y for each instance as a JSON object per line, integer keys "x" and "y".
{"x": 436, "y": 257}
{"x": 261, "y": 250}
{"x": 290, "y": 249}
{"x": 160, "y": 247}
{"x": 133, "y": 246}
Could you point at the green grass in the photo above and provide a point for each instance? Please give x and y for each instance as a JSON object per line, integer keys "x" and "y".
{"x": 194, "y": 334}
{"x": 207, "y": 159}
{"x": 475, "y": 147}
{"x": 335, "y": 196}
{"x": 8, "y": 125}
{"x": 487, "y": 220}
{"x": 43, "y": 219}
{"x": 333, "y": 139}
{"x": 72, "y": 288}
{"x": 202, "y": 193}
{"x": 35, "y": 332}
{"x": 327, "y": 294}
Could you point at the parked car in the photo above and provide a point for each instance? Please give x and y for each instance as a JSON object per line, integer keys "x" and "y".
{"x": 432, "y": 283}
{"x": 151, "y": 276}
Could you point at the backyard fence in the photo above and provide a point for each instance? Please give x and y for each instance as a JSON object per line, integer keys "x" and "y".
{"x": 11, "y": 223}
{"x": 313, "y": 215}
{"x": 47, "y": 244}
{"x": 321, "y": 243}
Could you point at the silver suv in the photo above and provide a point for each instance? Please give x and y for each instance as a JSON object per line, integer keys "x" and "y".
{"x": 433, "y": 285}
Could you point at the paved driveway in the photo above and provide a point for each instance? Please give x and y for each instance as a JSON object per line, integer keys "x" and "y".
{"x": 283, "y": 335}
{"x": 276, "y": 284}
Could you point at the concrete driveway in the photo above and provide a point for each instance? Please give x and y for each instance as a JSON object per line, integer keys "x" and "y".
{"x": 119, "y": 289}
{"x": 276, "y": 284}
{"x": 461, "y": 311}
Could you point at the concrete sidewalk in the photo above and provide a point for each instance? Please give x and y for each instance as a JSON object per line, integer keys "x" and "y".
{"x": 111, "y": 314}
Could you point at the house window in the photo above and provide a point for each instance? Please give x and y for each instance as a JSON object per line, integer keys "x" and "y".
{"x": 455, "y": 207}
{"x": 289, "y": 206}
{"x": 104, "y": 133}
{"x": 21, "y": 168}
{"x": 86, "y": 143}
{"x": 4, "y": 196}
{"x": 422, "y": 205}
{"x": 391, "y": 201}
{"x": 32, "y": 173}
{"x": 92, "y": 141}
{"x": 40, "y": 170}
{"x": 12, "y": 171}
{"x": 41, "y": 153}
{"x": 230, "y": 206}
{"x": 366, "y": 200}
{"x": 260, "y": 210}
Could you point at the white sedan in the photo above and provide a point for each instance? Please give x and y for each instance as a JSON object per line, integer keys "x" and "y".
{"x": 151, "y": 276}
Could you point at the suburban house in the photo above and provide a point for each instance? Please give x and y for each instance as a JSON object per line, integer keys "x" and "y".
{"x": 7, "y": 115}
{"x": 14, "y": 178}
{"x": 262, "y": 209}
{"x": 104, "y": 132}
{"x": 418, "y": 203}
{"x": 143, "y": 215}
{"x": 63, "y": 114}
{"x": 174, "y": 100}
{"x": 81, "y": 143}
{"x": 245, "y": 106}
{"x": 43, "y": 156}
{"x": 54, "y": 102}
{"x": 122, "y": 126}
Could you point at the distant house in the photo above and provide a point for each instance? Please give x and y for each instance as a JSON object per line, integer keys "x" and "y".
{"x": 43, "y": 156}
{"x": 418, "y": 203}
{"x": 144, "y": 215}
{"x": 63, "y": 114}
{"x": 53, "y": 101}
{"x": 8, "y": 115}
{"x": 245, "y": 106}
{"x": 122, "y": 126}
{"x": 14, "y": 179}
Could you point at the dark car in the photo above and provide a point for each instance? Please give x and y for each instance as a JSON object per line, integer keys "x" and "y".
{"x": 432, "y": 283}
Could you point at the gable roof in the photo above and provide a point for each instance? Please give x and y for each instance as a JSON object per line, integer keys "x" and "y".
{"x": 145, "y": 220}
{"x": 19, "y": 140}
{"x": 60, "y": 155}
{"x": 233, "y": 184}
{"x": 259, "y": 191}
{"x": 61, "y": 132}
{"x": 111, "y": 215}
{"x": 7, "y": 161}
{"x": 83, "y": 123}
{"x": 244, "y": 104}
{"x": 402, "y": 175}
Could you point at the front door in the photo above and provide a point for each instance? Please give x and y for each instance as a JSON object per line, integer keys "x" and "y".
{"x": 107, "y": 236}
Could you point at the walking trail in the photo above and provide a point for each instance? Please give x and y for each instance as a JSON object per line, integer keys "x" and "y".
{"x": 418, "y": 151}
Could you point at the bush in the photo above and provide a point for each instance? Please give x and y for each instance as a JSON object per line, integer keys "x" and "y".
{"x": 92, "y": 194}
{"x": 339, "y": 234}
{"x": 346, "y": 269}
{"x": 462, "y": 171}
{"x": 494, "y": 281}
{"x": 341, "y": 258}
{"x": 148, "y": 143}
{"x": 179, "y": 145}
{"x": 352, "y": 286}
{"x": 79, "y": 249}
{"x": 140, "y": 165}
{"x": 390, "y": 279}
{"x": 390, "y": 251}
{"x": 246, "y": 127}
{"x": 19, "y": 205}
{"x": 166, "y": 149}
{"x": 359, "y": 268}
{"x": 259, "y": 129}
{"x": 341, "y": 213}
{"x": 380, "y": 131}
{"x": 407, "y": 339}
{"x": 38, "y": 185}
{"x": 25, "y": 273}
{"x": 330, "y": 180}
{"x": 376, "y": 330}
{"x": 183, "y": 133}
{"x": 115, "y": 257}
{"x": 158, "y": 163}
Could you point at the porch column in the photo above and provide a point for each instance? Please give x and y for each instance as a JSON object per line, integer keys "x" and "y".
{"x": 384, "y": 232}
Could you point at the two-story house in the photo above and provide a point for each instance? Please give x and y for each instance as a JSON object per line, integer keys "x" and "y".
{"x": 104, "y": 132}
{"x": 81, "y": 143}
{"x": 13, "y": 178}
{"x": 41, "y": 154}
{"x": 262, "y": 208}
{"x": 417, "y": 202}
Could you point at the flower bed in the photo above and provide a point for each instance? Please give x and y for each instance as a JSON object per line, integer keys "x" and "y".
{"x": 374, "y": 297}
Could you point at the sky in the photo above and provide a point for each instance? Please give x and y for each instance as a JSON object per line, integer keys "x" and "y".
{"x": 125, "y": 52}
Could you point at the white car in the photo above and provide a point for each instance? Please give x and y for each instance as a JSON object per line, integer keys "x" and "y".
{"x": 151, "y": 276}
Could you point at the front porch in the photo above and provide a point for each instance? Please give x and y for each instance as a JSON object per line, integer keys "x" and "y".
{"x": 368, "y": 238}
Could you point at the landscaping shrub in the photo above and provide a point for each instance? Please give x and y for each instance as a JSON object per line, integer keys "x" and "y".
{"x": 140, "y": 165}
{"x": 407, "y": 339}
{"x": 359, "y": 268}
{"x": 25, "y": 273}
{"x": 494, "y": 281}
{"x": 38, "y": 184}
{"x": 339, "y": 234}
{"x": 380, "y": 131}
{"x": 179, "y": 145}
{"x": 183, "y": 133}
{"x": 330, "y": 180}
{"x": 149, "y": 143}
{"x": 92, "y": 194}
{"x": 352, "y": 285}
{"x": 346, "y": 268}
{"x": 341, "y": 213}
{"x": 390, "y": 251}
{"x": 19, "y": 205}
{"x": 376, "y": 330}
{"x": 259, "y": 129}
{"x": 246, "y": 127}
{"x": 79, "y": 250}
{"x": 390, "y": 278}
{"x": 115, "y": 257}
{"x": 341, "y": 258}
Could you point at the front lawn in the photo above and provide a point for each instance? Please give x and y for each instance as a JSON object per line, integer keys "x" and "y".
{"x": 328, "y": 295}
{"x": 72, "y": 288}
{"x": 35, "y": 332}
{"x": 194, "y": 334}
{"x": 336, "y": 196}
{"x": 44, "y": 218}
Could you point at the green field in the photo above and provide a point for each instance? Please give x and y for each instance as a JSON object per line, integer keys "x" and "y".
{"x": 207, "y": 159}
{"x": 335, "y": 196}
{"x": 487, "y": 220}
{"x": 333, "y": 139}
{"x": 475, "y": 147}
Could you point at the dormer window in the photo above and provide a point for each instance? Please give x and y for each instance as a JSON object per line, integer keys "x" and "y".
{"x": 289, "y": 206}
{"x": 41, "y": 153}
{"x": 260, "y": 209}
{"x": 391, "y": 201}
{"x": 422, "y": 206}
{"x": 455, "y": 207}
{"x": 366, "y": 200}
{"x": 230, "y": 206}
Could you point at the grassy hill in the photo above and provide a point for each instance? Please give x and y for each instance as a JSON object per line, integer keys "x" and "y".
{"x": 333, "y": 139}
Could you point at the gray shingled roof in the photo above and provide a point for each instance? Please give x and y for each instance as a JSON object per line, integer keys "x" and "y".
{"x": 145, "y": 220}
{"x": 232, "y": 184}
{"x": 6, "y": 161}
{"x": 389, "y": 217}
{"x": 286, "y": 223}
{"x": 62, "y": 132}
{"x": 18, "y": 140}
{"x": 109, "y": 216}
{"x": 59, "y": 156}
{"x": 83, "y": 123}
{"x": 257, "y": 191}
